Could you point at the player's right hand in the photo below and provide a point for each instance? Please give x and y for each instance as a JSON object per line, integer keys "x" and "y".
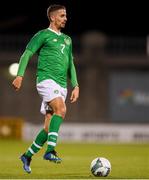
{"x": 17, "y": 82}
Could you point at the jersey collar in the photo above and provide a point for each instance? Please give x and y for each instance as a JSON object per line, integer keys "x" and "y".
{"x": 55, "y": 31}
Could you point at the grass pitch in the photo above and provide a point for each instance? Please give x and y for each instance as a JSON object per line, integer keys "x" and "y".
{"x": 129, "y": 161}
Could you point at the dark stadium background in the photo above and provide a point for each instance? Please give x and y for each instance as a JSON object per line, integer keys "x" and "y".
{"x": 113, "y": 18}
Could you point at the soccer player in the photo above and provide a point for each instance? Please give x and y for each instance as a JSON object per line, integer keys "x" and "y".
{"x": 55, "y": 65}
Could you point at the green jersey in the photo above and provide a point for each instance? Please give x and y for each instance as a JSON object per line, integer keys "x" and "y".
{"x": 55, "y": 60}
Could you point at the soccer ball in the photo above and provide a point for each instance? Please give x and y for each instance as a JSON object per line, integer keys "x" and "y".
{"x": 100, "y": 167}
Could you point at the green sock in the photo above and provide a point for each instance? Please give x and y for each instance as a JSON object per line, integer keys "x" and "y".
{"x": 41, "y": 138}
{"x": 53, "y": 132}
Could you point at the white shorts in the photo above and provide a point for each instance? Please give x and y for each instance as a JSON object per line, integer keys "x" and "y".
{"x": 49, "y": 90}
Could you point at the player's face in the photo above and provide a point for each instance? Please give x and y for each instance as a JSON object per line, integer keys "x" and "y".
{"x": 60, "y": 18}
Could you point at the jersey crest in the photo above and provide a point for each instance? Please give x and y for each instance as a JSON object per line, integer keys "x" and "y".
{"x": 67, "y": 41}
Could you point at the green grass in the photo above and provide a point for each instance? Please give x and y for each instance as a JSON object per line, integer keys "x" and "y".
{"x": 129, "y": 161}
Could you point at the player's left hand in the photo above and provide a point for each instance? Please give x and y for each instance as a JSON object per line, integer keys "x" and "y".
{"x": 74, "y": 94}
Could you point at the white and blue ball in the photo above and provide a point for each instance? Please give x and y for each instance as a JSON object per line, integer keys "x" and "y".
{"x": 100, "y": 166}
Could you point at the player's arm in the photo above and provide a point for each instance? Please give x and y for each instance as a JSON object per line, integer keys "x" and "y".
{"x": 32, "y": 47}
{"x": 73, "y": 78}
{"x": 21, "y": 70}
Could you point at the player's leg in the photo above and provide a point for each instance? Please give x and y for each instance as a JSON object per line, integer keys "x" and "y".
{"x": 59, "y": 109}
{"x": 37, "y": 144}
{"x": 47, "y": 121}
{"x": 40, "y": 139}
{"x": 54, "y": 95}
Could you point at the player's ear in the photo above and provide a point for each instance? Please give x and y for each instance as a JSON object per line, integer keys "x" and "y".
{"x": 52, "y": 18}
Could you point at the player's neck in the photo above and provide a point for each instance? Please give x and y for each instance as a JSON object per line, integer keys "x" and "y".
{"x": 54, "y": 28}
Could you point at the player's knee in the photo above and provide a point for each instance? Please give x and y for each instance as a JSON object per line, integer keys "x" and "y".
{"x": 61, "y": 112}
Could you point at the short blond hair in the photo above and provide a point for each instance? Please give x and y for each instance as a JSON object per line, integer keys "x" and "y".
{"x": 52, "y": 8}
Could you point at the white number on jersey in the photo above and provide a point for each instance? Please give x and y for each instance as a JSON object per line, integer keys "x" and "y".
{"x": 62, "y": 48}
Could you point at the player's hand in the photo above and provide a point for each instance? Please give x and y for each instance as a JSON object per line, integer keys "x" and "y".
{"x": 74, "y": 94}
{"x": 17, "y": 82}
